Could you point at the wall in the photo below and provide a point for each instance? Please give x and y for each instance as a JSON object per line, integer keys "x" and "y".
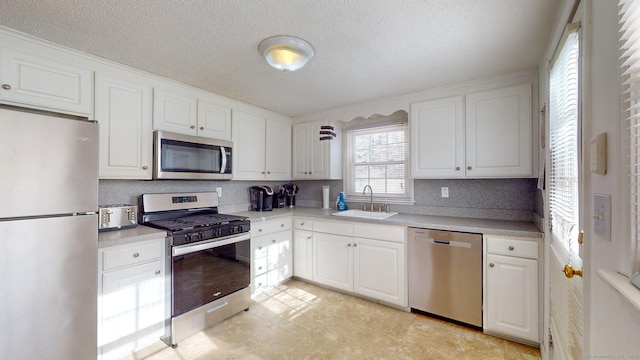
{"x": 508, "y": 199}
{"x": 612, "y": 321}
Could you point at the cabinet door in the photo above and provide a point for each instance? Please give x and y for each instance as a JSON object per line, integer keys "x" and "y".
{"x": 278, "y": 150}
{"x": 379, "y": 270}
{"x": 499, "y": 132}
{"x": 281, "y": 246}
{"x": 319, "y": 156}
{"x": 174, "y": 112}
{"x": 333, "y": 260}
{"x": 44, "y": 81}
{"x": 132, "y": 308}
{"x": 214, "y": 121}
{"x": 123, "y": 110}
{"x": 512, "y": 296}
{"x": 301, "y": 149}
{"x": 248, "y": 146}
{"x": 303, "y": 254}
{"x": 437, "y": 138}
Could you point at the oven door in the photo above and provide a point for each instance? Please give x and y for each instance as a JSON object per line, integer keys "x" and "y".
{"x": 180, "y": 156}
{"x": 208, "y": 270}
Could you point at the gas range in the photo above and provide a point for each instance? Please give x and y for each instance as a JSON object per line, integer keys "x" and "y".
{"x": 190, "y": 218}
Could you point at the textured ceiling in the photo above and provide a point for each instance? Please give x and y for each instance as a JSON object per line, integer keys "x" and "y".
{"x": 365, "y": 49}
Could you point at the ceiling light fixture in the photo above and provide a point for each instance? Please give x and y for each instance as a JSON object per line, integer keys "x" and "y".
{"x": 286, "y": 53}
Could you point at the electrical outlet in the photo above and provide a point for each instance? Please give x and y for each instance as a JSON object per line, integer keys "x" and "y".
{"x": 602, "y": 215}
{"x": 445, "y": 191}
{"x": 219, "y": 191}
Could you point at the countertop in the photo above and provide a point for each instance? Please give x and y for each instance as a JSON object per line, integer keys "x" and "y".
{"x": 483, "y": 226}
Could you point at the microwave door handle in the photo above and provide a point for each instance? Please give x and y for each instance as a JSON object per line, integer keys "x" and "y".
{"x": 223, "y": 153}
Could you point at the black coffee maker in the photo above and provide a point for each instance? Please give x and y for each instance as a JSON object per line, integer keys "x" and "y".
{"x": 261, "y": 198}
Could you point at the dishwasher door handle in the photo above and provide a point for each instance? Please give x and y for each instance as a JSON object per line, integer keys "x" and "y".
{"x": 441, "y": 242}
{"x": 452, "y": 243}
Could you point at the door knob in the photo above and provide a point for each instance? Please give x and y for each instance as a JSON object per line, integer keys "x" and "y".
{"x": 569, "y": 271}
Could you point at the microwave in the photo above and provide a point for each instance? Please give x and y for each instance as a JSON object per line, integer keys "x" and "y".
{"x": 186, "y": 157}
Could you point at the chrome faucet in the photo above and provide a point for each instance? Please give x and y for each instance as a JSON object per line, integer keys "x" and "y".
{"x": 371, "y": 198}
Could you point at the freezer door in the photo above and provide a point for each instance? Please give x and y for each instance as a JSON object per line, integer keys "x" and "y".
{"x": 48, "y": 296}
{"x": 49, "y": 164}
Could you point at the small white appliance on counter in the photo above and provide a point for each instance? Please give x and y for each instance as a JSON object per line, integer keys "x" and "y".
{"x": 117, "y": 217}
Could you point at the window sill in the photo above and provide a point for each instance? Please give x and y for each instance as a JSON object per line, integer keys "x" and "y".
{"x": 621, "y": 285}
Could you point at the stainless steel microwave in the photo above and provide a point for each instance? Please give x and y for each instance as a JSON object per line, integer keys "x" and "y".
{"x": 180, "y": 157}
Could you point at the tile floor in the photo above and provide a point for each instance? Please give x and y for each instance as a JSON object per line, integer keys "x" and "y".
{"x": 298, "y": 320}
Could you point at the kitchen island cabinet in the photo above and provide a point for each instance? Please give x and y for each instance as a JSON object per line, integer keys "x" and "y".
{"x": 131, "y": 297}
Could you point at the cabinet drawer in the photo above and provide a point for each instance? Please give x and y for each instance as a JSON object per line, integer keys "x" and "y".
{"x": 303, "y": 224}
{"x": 260, "y": 265}
{"x": 260, "y": 244}
{"x": 268, "y": 227}
{"x": 512, "y": 247}
{"x": 338, "y": 227}
{"x": 379, "y": 232}
{"x": 131, "y": 255}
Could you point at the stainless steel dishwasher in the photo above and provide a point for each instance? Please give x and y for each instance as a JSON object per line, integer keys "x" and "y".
{"x": 445, "y": 274}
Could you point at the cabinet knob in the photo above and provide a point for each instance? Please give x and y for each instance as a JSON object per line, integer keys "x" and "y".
{"x": 145, "y": 167}
{"x": 355, "y": 245}
{"x": 457, "y": 168}
{"x": 302, "y": 223}
{"x": 273, "y": 241}
{"x": 281, "y": 225}
{"x": 263, "y": 172}
{"x": 259, "y": 247}
{"x": 135, "y": 255}
{"x": 201, "y": 127}
{"x": 193, "y": 126}
{"x": 310, "y": 173}
{"x": 306, "y": 173}
{"x": 349, "y": 245}
{"x": 268, "y": 172}
{"x": 491, "y": 265}
{"x": 259, "y": 230}
{"x": 468, "y": 167}
{"x": 308, "y": 237}
{"x": 157, "y": 272}
{"x": 511, "y": 248}
{"x": 259, "y": 267}
{"x": 6, "y": 86}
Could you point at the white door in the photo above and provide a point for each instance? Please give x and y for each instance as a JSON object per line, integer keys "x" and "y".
{"x": 249, "y": 136}
{"x": 214, "y": 121}
{"x": 174, "y": 111}
{"x": 333, "y": 260}
{"x": 278, "y": 150}
{"x": 565, "y": 290}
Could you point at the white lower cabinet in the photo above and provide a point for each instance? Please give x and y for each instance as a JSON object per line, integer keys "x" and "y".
{"x": 131, "y": 299}
{"x": 303, "y": 254}
{"x": 363, "y": 258}
{"x": 272, "y": 254}
{"x": 512, "y": 288}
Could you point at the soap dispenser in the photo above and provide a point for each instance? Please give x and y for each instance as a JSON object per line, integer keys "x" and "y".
{"x": 342, "y": 205}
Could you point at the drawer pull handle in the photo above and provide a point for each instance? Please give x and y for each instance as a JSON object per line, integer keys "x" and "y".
{"x": 157, "y": 272}
{"x": 6, "y": 86}
{"x": 511, "y": 248}
{"x": 491, "y": 265}
{"x": 135, "y": 255}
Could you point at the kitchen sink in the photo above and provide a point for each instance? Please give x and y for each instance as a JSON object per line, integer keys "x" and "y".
{"x": 364, "y": 214}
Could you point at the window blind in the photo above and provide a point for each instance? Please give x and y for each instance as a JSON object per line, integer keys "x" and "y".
{"x": 378, "y": 157}
{"x": 630, "y": 73}
{"x": 563, "y": 143}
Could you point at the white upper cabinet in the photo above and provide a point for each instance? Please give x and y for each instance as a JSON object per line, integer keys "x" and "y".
{"x": 123, "y": 109}
{"x": 499, "y": 132}
{"x": 42, "y": 78}
{"x": 315, "y": 159}
{"x": 214, "y": 121}
{"x": 437, "y": 138}
{"x": 489, "y": 135}
{"x": 261, "y": 146}
{"x": 180, "y": 110}
{"x": 174, "y": 111}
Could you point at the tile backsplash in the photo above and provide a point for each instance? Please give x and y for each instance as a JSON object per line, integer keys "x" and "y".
{"x": 507, "y": 199}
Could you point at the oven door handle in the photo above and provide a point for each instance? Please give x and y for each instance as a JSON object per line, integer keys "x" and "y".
{"x": 204, "y": 245}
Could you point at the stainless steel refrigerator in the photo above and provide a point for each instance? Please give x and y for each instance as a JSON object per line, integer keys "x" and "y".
{"x": 48, "y": 236}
